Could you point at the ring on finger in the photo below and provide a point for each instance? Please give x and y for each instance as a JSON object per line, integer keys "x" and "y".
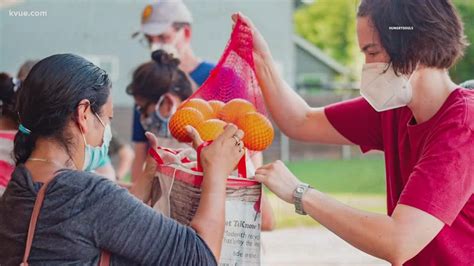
{"x": 237, "y": 140}
{"x": 241, "y": 146}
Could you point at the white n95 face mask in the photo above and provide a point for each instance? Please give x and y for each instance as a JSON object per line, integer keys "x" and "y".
{"x": 169, "y": 48}
{"x": 383, "y": 89}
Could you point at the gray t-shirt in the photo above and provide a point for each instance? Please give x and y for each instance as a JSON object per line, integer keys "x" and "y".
{"x": 83, "y": 213}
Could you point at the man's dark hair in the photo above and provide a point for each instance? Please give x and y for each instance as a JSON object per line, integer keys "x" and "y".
{"x": 435, "y": 35}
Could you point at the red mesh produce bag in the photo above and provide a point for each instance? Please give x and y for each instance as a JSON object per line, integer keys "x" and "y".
{"x": 234, "y": 76}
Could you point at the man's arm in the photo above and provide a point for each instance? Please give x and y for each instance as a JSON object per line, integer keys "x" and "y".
{"x": 396, "y": 239}
{"x": 291, "y": 113}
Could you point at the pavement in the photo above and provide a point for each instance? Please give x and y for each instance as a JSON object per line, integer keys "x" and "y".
{"x": 311, "y": 246}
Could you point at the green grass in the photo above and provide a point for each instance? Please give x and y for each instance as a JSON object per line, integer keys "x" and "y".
{"x": 359, "y": 176}
{"x": 364, "y": 176}
{"x": 359, "y": 183}
{"x": 127, "y": 178}
{"x": 285, "y": 216}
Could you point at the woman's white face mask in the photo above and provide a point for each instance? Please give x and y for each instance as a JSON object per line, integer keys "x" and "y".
{"x": 383, "y": 89}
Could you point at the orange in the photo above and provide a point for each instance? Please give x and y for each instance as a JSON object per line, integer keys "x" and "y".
{"x": 201, "y": 105}
{"x": 216, "y": 106}
{"x": 233, "y": 110}
{"x": 211, "y": 129}
{"x": 258, "y": 131}
{"x": 182, "y": 118}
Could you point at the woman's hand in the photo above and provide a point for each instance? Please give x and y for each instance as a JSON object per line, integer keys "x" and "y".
{"x": 224, "y": 153}
{"x": 260, "y": 46}
{"x": 218, "y": 160}
{"x": 278, "y": 178}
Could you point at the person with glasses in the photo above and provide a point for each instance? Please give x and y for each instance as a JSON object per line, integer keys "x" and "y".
{"x": 158, "y": 87}
{"x": 166, "y": 25}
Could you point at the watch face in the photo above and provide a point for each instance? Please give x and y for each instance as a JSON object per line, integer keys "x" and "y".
{"x": 300, "y": 190}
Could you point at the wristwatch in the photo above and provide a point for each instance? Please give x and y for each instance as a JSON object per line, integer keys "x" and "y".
{"x": 298, "y": 197}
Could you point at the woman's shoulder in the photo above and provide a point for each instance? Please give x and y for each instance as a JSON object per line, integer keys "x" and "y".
{"x": 86, "y": 182}
{"x": 468, "y": 96}
{"x": 454, "y": 121}
{"x": 458, "y": 110}
{"x": 86, "y": 190}
{"x": 65, "y": 182}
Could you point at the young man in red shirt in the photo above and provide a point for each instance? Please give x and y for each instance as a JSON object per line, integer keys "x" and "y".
{"x": 410, "y": 110}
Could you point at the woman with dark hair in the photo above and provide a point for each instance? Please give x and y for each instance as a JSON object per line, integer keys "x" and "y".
{"x": 65, "y": 110}
{"x": 409, "y": 109}
{"x": 8, "y": 126}
{"x": 158, "y": 88}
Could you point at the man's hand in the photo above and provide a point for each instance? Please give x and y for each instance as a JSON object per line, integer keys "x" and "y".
{"x": 260, "y": 46}
{"x": 278, "y": 178}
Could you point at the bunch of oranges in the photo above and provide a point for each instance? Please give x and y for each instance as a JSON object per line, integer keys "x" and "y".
{"x": 210, "y": 117}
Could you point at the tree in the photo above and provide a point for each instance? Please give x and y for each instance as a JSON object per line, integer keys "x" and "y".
{"x": 331, "y": 26}
{"x": 464, "y": 69}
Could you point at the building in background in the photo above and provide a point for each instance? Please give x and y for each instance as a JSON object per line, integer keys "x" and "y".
{"x": 314, "y": 68}
{"x": 101, "y": 31}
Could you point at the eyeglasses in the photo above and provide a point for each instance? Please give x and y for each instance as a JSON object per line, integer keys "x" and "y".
{"x": 143, "y": 41}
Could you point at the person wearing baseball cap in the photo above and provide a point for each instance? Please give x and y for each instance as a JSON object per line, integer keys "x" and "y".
{"x": 166, "y": 25}
{"x": 468, "y": 84}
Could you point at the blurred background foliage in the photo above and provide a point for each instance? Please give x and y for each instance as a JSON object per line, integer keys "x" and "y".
{"x": 331, "y": 26}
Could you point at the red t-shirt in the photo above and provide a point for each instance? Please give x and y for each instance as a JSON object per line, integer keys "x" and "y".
{"x": 429, "y": 166}
{"x": 6, "y": 161}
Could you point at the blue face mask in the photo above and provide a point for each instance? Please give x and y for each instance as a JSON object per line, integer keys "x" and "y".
{"x": 156, "y": 123}
{"x": 94, "y": 156}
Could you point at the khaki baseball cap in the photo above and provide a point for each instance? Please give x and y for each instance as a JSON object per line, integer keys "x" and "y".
{"x": 159, "y": 16}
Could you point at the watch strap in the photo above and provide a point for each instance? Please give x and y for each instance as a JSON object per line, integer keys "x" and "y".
{"x": 298, "y": 197}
